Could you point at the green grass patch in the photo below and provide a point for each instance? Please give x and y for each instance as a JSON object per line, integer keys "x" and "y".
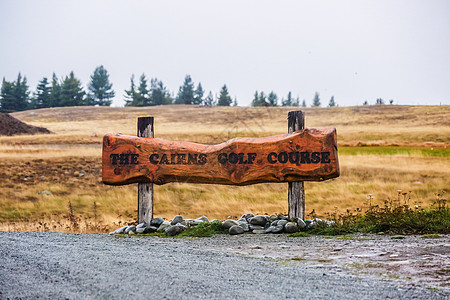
{"x": 431, "y": 236}
{"x": 300, "y": 234}
{"x": 388, "y": 219}
{"x": 394, "y": 150}
{"x": 298, "y": 258}
{"x": 205, "y": 229}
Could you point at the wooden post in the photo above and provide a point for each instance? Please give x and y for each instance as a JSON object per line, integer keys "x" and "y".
{"x": 145, "y": 190}
{"x": 296, "y": 192}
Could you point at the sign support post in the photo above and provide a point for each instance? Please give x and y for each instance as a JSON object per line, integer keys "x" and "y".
{"x": 296, "y": 191}
{"x": 145, "y": 190}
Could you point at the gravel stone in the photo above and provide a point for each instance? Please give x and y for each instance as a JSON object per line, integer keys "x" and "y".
{"x": 236, "y": 229}
{"x": 228, "y": 223}
{"x": 176, "y": 220}
{"x": 156, "y": 222}
{"x": 290, "y": 227}
{"x": 278, "y": 229}
{"x": 42, "y": 265}
{"x": 129, "y": 229}
{"x": 163, "y": 226}
{"x": 301, "y": 224}
{"x": 203, "y": 219}
{"x": 244, "y": 226}
{"x": 282, "y": 222}
{"x": 260, "y": 220}
{"x": 174, "y": 230}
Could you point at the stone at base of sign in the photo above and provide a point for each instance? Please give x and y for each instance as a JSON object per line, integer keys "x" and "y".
{"x": 268, "y": 224}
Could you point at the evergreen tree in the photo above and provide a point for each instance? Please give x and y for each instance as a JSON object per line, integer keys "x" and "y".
{"x": 380, "y": 101}
{"x": 224, "y": 97}
{"x": 158, "y": 93}
{"x": 55, "y": 92}
{"x": 198, "y": 94}
{"x": 304, "y": 103}
{"x": 186, "y": 92}
{"x": 209, "y": 100}
{"x": 131, "y": 95}
{"x": 262, "y": 99}
{"x": 143, "y": 93}
{"x": 7, "y": 99}
{"x": 272, "y": 99}
{"x": 14, "y": 96}
{"x": 100, "y": 89}
{"x": 72, "y": 93}
{"x": 255, "y": 101}
{"x": 42, "y": 96}
{"x": 296, "y": 102}
{"x": 21, "y": 93}
{"x": 332, "y": 103}
{"x": 316, "y": 100}
{"x": 366, "y": 103}
{"x": 288, "y": 101}
{"x": 235, "y": 103}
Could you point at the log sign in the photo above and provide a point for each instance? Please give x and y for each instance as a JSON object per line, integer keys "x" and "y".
{"x": 305, "y": 155}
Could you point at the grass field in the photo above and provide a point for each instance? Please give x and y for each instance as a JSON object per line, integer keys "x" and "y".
{"x": 382, "y": 149}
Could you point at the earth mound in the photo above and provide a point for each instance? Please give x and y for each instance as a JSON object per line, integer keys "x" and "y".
{"x": 11, "y": 126}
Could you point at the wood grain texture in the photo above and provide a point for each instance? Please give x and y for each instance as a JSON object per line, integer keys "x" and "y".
{"x": 308, "y": 154}
{"x": 296, "y": 189}
{"x": 145, "y": 189}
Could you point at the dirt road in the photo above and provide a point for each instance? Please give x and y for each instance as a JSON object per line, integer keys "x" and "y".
{"x": 98, "y": 266}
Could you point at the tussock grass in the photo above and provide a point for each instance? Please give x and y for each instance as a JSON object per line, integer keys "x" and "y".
{"x": 382, "y": 149}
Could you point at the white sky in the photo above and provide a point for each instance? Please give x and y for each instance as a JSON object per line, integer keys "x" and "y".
{"x": 354, "y": 50}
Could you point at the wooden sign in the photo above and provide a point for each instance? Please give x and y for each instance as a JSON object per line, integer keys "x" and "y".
{"x": 305, "y": 155}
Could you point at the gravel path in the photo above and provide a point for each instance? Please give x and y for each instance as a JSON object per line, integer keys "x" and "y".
{"x": 98, "y": 266}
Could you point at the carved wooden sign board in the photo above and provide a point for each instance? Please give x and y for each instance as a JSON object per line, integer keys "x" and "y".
{"x": 304, "y": 155}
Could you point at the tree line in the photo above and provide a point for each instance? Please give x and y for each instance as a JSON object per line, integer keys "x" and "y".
{"x": 69, "y": 91}
{"x": 157, "y": 94}
{"x": 260, "y": 99}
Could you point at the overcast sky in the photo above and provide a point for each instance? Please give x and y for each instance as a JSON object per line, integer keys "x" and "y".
{"x": 354, "y": 50}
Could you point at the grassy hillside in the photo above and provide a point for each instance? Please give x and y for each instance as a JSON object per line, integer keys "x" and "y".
{"x": 382, "y": 149}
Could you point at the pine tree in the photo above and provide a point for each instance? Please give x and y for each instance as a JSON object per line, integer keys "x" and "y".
{"x": 186, "y": 92}
{"x": 316, "y": 100}
{"x": 209, "y": 100}
{"x": 158, "y": 93}
{"x": 42, "y": 96}
{"x": 15, "y": 96}
{"x": 224, "y": 97}
{"x": 100, "y": 89}
{"x": 380, "y": 101}
{"x": 272, "y": 99}
{"x": 296, "y": 102}
{"x": 235, "y": 103}
{"x": 262, "y": 99}
{"x": 131, "y": 95}
{"x": 55, "y": 92}
{"x": 7, "y": 99}
{"x": 198, "y": 94}
{"x": 21, "y": 93}
{"x": 143, "y": 93}
{"x": 255, "y": 101}
{"x": 288, "y": 101}
{"x": 332, "y": 103}
{"x": 72, "y": 93}
{"x": 304, "y": 103}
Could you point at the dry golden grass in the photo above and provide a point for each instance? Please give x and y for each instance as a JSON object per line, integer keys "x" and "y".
{"x": 32, "y": 164}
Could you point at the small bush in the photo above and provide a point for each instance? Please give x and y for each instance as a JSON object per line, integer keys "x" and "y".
{"x": 394, "y": 217}
{"x": 205, "y": 229}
